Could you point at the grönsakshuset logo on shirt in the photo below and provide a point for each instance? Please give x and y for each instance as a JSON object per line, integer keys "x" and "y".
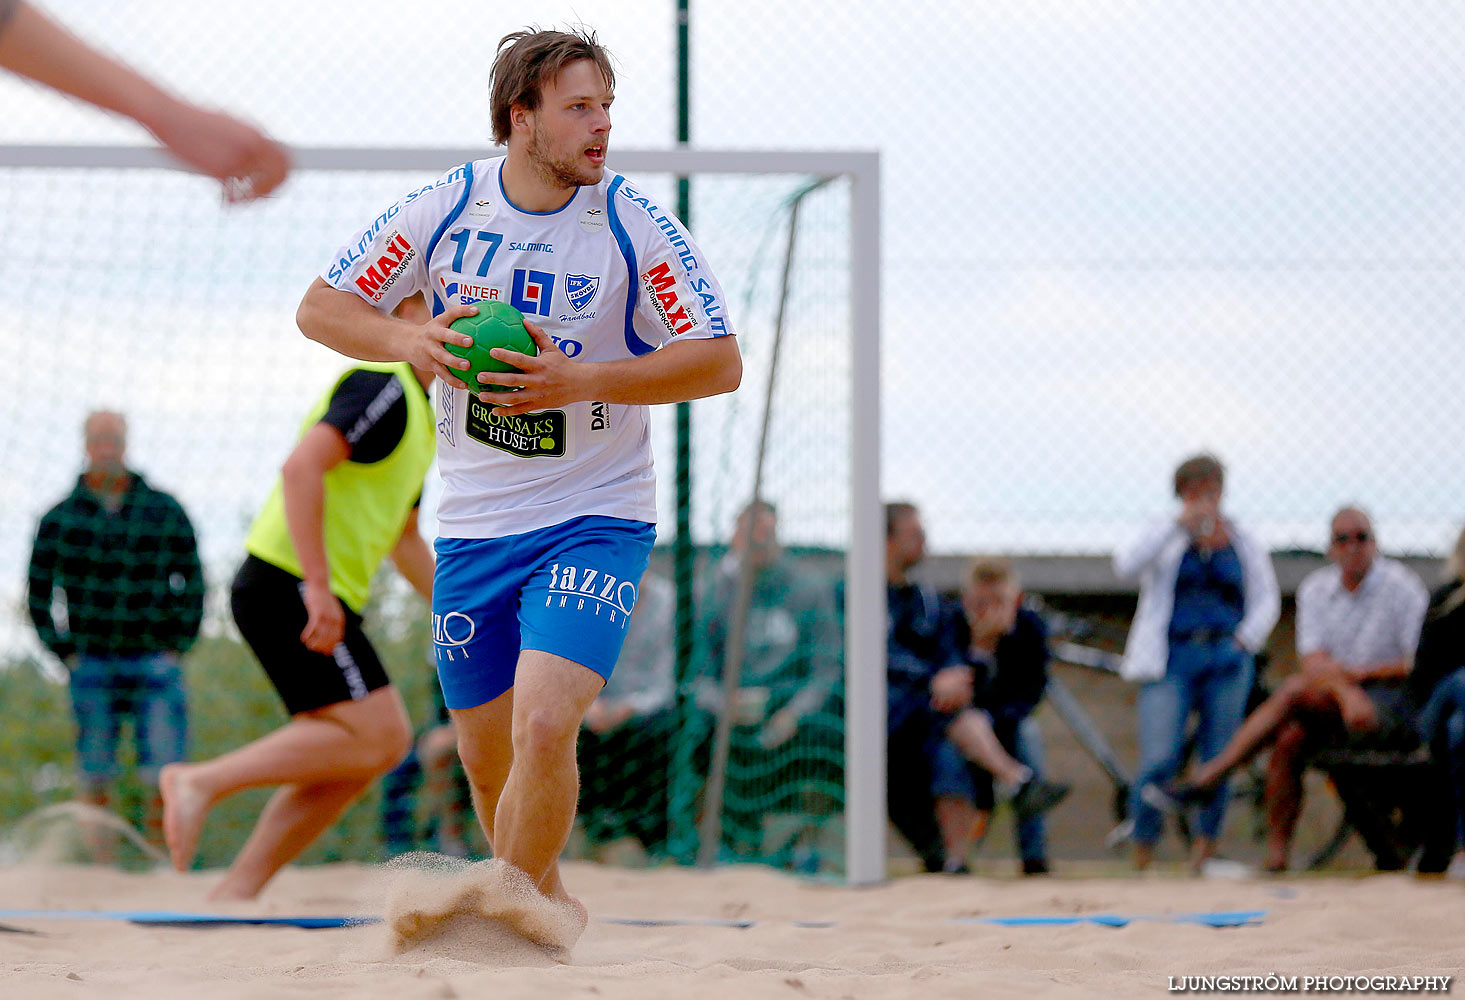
{"x": 525, "y": 435}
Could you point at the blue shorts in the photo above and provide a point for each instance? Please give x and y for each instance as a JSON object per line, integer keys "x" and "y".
{"x": 955, "y": 777}
{"x": 147, "y": 689}
{"x": 568, "y": 590}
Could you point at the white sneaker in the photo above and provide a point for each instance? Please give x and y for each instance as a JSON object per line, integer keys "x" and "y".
{"x": 1120, "y": 835}
{"x": 1225, "y": 868}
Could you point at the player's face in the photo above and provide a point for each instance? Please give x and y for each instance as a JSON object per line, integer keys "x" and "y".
{"x": 570, "y": 131}
{"x": 1202, "y": 493}
{"x": 106, "y": 443}
{"x": 991, "y": 608}
{"x": 906, "y": 544}
{"x": 1352, "y": 545}
{"x": 757, "y": 534}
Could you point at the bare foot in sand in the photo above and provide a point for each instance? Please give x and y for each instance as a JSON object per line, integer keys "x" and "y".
{"x": 421, "y": 914}
{"x": 582, "y": 915}
{"x": 185, "y": 806}
{"x": 572, "y": 921}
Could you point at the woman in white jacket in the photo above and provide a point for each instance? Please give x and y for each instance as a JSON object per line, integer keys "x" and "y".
{"x": 1208, "y": 600}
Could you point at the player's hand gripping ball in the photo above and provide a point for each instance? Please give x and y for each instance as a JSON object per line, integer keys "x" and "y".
{"x": 496, "y": 324}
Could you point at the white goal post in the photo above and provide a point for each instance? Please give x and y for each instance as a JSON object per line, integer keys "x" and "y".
{"x": 865, "y": 613}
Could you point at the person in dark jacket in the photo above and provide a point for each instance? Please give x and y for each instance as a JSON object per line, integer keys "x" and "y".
{"x": 995, "y": 681}
{"x": 116, "y": 593}
{"x": 942, "y": 744}
{"x": 1437, "y": 684}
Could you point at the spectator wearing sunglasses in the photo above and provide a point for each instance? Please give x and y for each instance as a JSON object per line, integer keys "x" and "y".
{"x": 1358, "y": 624}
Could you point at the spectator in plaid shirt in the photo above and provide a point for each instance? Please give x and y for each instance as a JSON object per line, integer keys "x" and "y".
{"x": 116, "y": 593}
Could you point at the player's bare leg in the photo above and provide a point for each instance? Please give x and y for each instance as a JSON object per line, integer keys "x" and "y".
{"x": 290, "y": 821}
{"x": 98, "y": 843}
{"x": 1283, "y": 792}
{"x": 1296, "y": 693}
{"x": 537, "y": 807}
{"x": 338, "y": 743}
{"x": 152, "y": 819}
{"x": 1202, "y": 849}
{"x": 437, "y": 751}
{"x": 973, "y": 735}
{"x": 959, "y": 823}
{"x": 486, "y": 748}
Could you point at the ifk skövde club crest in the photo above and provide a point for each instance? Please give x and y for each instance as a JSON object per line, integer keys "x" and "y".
{"x": 580, "y": 289}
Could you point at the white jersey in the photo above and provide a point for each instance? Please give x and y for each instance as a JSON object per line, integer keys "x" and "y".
{"x": 609, "y": 276}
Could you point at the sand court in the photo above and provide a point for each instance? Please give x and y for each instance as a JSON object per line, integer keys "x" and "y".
{"x": 743, "y": 931}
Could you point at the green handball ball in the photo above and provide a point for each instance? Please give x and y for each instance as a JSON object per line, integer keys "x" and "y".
{"x": 496, "y": 324}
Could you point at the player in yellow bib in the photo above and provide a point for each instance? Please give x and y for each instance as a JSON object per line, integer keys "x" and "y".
{"x": 346, "y": 498}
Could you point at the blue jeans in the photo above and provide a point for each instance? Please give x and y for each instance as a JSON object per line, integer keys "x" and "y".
{"x": 1032, "y": 831}
{"x": 149, "y": 690}
{"x": 1442, "y": 727}
{"x": 952, "y": 776}
{"x": 1210, "y": 679}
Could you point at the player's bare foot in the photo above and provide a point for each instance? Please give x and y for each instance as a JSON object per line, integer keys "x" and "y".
{"x": 417, "y": 915}
{"x": 185, "y": 806}
{"x": 226, "y": 893}
{"x": 582, "y": 915}
{"x": 552, "y": 919}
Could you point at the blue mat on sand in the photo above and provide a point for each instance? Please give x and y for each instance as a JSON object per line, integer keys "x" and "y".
{"x": 168, "y": 918}
{"x": 703, "y": 922}
{"x": 1225, "y": 918}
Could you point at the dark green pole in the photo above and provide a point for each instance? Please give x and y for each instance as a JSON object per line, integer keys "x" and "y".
{"x": 684, "y": 554}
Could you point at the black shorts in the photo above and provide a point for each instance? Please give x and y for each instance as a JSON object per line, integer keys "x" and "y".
{"x": 1397, "y": 711}
{"x": 270, "y": 612}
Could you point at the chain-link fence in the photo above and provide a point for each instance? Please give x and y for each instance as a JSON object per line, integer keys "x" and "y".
{"x": 1114, "y": 234}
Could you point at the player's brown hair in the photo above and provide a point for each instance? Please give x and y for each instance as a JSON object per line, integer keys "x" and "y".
{"x": 529, "y": 59}
{"x": 992, "y": 570}
{"x": 895, "y": 512}
{"x": 1199, "y": 469}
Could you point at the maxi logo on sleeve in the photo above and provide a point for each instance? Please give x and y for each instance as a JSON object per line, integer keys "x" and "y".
{"x": 527, "y": 435}
{"x": 700, "y": 285}
{"x": 398, "y": 253}
{"x": 670, "y": 297}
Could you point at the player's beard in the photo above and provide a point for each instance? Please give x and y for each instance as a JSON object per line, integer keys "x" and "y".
{"x": 566, "y": 172}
